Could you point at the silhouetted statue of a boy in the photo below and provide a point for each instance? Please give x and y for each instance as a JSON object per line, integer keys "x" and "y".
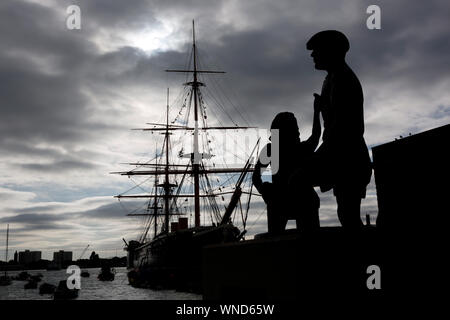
{"x": 342, "y": 162}
{"x": 299, "y": 201}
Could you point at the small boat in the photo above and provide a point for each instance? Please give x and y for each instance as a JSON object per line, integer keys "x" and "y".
{"x": 85, "y": 274}
{"x": 47, "y": 288}
{"x": 5, "y": 280}
{"x": 64, "y": 293}
{"x": 107, "y": 274}
{"x": 36, "y": 278}
{"x": 23, "y": 276}
{"x": 53, "y": 266}
{"x": 30, "y": 285}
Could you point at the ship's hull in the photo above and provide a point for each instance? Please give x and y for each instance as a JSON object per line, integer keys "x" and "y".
{"x": 173, "y": 260}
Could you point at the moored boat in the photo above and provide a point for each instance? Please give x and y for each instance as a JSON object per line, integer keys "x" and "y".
{"x": 64, "y": 293}
{"x": 106, "y": 274}
{"x": 47, "y": 288}
{"x": 31, "y": 284}
{"x": 22, "y": 276}
{"x": 5, "y": 280}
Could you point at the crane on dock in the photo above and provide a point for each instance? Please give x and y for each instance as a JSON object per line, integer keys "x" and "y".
{"x": 84, "y": 251}
{"x": 84, "y": 273}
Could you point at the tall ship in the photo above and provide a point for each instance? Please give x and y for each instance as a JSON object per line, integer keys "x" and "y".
{"x": 190, "y": 202}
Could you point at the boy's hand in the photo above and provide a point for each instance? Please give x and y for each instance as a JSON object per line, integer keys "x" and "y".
{"x": 317, "y": 102}
{"x": 266, "y": 191}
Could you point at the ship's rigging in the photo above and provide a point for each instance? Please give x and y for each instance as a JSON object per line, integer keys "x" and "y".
{"x": 165, "y": 199}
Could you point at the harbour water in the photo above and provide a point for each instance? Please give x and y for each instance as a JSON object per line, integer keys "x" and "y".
{"x": 91, "y": 288}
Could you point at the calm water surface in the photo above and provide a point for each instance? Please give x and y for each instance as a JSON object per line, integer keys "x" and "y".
{"x": 92, "y": 288}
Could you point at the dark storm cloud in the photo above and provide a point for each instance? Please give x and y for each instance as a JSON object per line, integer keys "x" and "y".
{"x": 110, "y": 211}
{"x": 267, "y": 64}
{"x": 411, "y": 47}
{"x": 57, "y": 216}
{"x": 57, "y": 166}
{"x": 45, "y": 71}
{"x": 56, "y": 159}
{"x": 41, "y": 209}
{"x": 272, "y": 68}
{"x": 36, "y": 106}
{"x": 29, "y": 218}
{"x": 43, "y": 75}
{"x": 129, "y": 67}
{"x": 269, "y": 83}
{"x": 37, "y": 222}
{"x": 10, "y": 146}
{"x": 440, "y": 112}
{"x": 40, "y": 98}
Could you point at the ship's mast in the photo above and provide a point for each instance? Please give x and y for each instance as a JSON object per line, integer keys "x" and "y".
{"x": 155, "y": 213}
{"x": 196, "y": 155}
{"x": 155, "y": 206}
{"x": 166, "y": 171}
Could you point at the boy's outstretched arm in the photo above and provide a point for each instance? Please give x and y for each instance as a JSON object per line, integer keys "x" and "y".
{"x": 313, "y": 140}
{"x": 264, "y": 188}
{"x": 256, "y": 178}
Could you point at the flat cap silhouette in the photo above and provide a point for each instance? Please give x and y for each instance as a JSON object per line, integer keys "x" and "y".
{"x": 331, "y": 40}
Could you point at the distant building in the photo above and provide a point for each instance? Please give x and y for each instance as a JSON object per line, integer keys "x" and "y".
{"x": 62, "y": 256}
{"x": 16, "y": 257}
{"x": 27, "y": 256}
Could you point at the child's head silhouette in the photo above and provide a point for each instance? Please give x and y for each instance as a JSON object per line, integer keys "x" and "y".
{"x": 286, "y": 123}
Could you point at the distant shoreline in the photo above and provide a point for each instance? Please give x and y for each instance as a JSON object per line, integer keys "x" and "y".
{"x": 115, "y": 262}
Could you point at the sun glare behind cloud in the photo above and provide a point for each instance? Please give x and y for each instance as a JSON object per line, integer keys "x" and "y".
{"x": 154, "y": 39}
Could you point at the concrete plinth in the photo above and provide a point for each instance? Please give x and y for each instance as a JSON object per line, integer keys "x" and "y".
{"x": 286, "y": 267}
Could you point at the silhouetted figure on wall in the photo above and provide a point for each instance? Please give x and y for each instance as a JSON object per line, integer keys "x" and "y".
{"x": 299, "y": 201}
{"x": 94, "y": 257}
{"x": 342, "y": 161}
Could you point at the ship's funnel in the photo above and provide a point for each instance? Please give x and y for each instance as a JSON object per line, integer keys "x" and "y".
{"x": 174, "y": 226}
{"x": 182, "y": 223}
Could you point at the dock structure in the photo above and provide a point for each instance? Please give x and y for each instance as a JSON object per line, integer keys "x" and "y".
{"x": 407, "y": 244}
{"x": 286, "y": 267}
{"x": 412, "y": 180}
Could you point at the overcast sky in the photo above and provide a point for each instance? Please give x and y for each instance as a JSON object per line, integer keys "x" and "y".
{"x": 69, "y": 97}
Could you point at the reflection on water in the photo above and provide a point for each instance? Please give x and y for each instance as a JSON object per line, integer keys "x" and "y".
{"x": 92, "y": 288}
